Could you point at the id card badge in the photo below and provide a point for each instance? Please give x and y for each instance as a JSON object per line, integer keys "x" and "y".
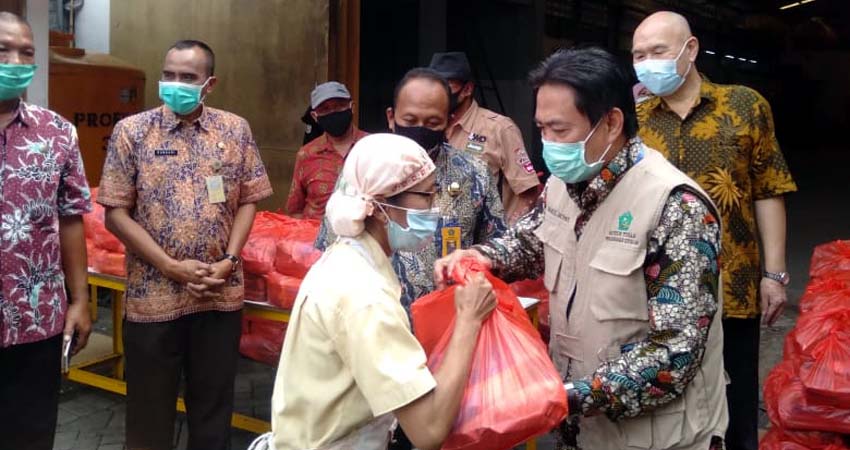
{"x": 450, "y": 235}
{"x": 215, "y": 189}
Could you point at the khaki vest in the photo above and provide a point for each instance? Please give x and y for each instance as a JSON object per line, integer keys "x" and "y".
{"x": 610, "y": 309}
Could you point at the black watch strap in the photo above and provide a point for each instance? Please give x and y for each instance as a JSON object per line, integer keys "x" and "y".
{"x": 233, "y": 259}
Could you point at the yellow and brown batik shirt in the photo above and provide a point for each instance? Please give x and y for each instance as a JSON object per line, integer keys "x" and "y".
{"x": 726, "y": 144}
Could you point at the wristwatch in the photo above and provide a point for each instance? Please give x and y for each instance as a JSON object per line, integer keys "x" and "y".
{"x": 780, "y": 277}
{"x": 233, "y": 259}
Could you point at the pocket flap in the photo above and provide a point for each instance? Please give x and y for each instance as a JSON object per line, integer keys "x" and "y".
{"x": 618, "y": 260}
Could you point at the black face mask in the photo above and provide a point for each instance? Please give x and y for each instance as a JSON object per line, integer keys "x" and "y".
{"x": 427, "y": 138}
{"x": 336, "y": 123}
{"x": 454, "y": 99}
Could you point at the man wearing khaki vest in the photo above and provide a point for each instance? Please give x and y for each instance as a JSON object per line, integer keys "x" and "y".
{"x": 628, "y": 247}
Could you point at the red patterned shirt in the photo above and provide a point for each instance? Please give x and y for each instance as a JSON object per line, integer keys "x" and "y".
{"x": 317, "y": 166}
{"x": 41, "y": 180}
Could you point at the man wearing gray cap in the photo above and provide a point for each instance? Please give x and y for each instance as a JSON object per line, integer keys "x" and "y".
{"x": 493, "y": 137}
{"x": 317, "y": 164}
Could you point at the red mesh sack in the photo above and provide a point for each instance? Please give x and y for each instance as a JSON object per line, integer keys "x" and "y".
{"x": 255, "y": 288}
{"x": 282, "y": 289}
{"x": 259, "y": 251}
{"x": 791, "y": 350}
{"x": 295, "y": 252}
{"x": 262, "y": 340}
{"x": 514, "y": 391}
{"x": 826, "y": 293}
{"x": 109, "y": 263}
{"x": 801, "y": 411}
{"x": 826, "y": 372}
{"x": 830, "y": 258}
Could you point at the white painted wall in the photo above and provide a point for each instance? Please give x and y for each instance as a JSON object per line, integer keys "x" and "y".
{"x": 92, "y": 26}
{"x": 38, "y": 15}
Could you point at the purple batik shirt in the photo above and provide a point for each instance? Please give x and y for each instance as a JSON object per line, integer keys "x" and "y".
{"x": 41, "y": 180}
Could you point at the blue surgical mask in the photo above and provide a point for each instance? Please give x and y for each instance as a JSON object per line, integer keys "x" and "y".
{"x": 660, "y": 75}
{"x": 182, "y": 98}
{"x": 566, "y": 160}
{"x": 14, "y": 79}
{"x": 421, "y": 226}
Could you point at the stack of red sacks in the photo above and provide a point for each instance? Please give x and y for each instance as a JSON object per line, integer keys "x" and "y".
{"x": 276, "y": 257}
{"x": 105, "y": 251}
{"x": 514, "y": 392}
{"x": 808, "y": 394}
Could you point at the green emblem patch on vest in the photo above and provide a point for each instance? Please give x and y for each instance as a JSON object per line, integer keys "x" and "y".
{"x": 625, "y": 221}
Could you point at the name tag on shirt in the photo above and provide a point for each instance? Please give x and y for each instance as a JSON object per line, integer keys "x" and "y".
{"x": 450, "y": 234}
{"x": 215, "y": 189}
{"x": 165, "y": 152}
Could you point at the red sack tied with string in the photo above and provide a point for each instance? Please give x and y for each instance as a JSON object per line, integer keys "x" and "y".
{"x": 514, "y": 392}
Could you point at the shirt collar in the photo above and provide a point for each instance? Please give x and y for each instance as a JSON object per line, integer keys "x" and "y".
{"x": 466, "y": 121}
{"x": 170, "y": 121}
{"x": 707, "y": 94}
{"x": 327, "y": 146}
{"x": 24, "y": 115}
{"x": 597, "y": 189}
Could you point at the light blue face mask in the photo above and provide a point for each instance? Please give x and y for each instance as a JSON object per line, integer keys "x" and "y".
{"x": 421, "y": 226}
{"x": 566, "y": 160}
{"x": 182, "y": 98}
{"x": 660, "y": 75}
{"x": 14, "y": 79}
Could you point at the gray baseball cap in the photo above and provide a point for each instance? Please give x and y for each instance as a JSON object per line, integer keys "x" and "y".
{"x": 327, "y": 91}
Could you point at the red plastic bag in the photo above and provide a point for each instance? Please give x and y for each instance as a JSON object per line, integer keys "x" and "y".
{"x": 799, "y": 410}
{"x": 90, "y": 249}
{"x": 782, "y": 439}
{"x": 814, "y": 326}
{"x": 259, "y": 251}
{"x": 536, "y": 289}
{"x": 94, "y": 227}
{"x": 777, "y": 380}
{"x": 295, "y": 252}
{"x": 282, "y": 289}
{"x": 826, "y": 372}
{"x": 826, "y": 293}
{"x": 830, "y": 258}
{"x": 110, "y": 263}
{"x": 255, "y": 288}
{"x": 514, "y": 391}
{"x": 262, "y": 340}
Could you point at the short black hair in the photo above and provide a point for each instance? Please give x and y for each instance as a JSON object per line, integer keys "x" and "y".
{"x": 599, "y": 81}
{"x": 422, "y": 73}
{"x": 185, "y": 44}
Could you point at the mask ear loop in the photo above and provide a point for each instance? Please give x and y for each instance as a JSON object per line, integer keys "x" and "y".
{"x": 204, "y": 97}
{"x": 690, "y": 64}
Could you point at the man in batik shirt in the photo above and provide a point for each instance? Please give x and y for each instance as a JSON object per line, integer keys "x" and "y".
{"x": 722, "y": 136}
{"x": 43, "y": 195}
{"x": 180, "y": 185}
{"x": 468, "y": 197}
{"x": 628, "y": 248}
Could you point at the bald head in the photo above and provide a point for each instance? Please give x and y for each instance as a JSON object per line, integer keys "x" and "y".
{"x": 664, "y": 35}
{"x": 665, "y": 22}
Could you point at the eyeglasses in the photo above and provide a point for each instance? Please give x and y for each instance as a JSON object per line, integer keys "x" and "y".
{"x": 431, "y": 195}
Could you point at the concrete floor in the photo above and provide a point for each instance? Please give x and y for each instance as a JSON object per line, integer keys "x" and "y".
{"x": 90, "y": 419}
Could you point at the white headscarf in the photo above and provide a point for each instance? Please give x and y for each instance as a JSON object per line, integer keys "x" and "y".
{"x": 378, "y": 165}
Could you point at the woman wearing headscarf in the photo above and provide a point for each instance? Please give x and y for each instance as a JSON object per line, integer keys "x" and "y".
{"x": 350, "y": 365}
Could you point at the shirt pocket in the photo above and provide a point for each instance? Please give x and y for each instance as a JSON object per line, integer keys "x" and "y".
{"x": 616, "y": 271}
